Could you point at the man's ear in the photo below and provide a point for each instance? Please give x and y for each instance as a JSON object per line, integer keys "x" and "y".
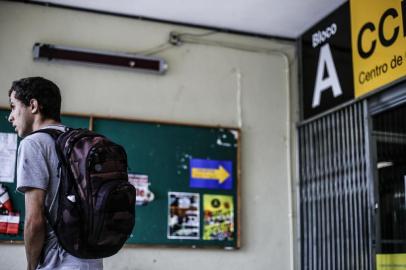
{"x": 34, "y": 106}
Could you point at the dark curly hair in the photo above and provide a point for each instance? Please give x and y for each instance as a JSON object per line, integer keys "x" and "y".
{"x": 44, "y": 91}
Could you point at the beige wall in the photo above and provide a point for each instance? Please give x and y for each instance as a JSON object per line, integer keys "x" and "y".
{"x": 211, "y": 83}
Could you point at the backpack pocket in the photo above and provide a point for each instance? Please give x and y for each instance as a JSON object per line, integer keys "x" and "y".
{"x": 68, "y": 226}
{"x": 114, "y": 216}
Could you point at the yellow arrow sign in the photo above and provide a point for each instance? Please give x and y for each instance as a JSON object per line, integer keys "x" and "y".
{"x": 219, "y": 174}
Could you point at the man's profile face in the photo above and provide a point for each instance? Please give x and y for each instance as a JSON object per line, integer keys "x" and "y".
{"x": 20, "y": 116}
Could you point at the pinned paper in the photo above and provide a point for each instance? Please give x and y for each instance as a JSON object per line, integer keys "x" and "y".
{"x": 8, "y": 153}
{"x": 218, "y": 217}
{"x": 5, "y": 201}
{"x": 212, "y": 174}
{"x": 9, "y": 223}
{"x": 141, "y": 184}
{"x": 184, "y": 215}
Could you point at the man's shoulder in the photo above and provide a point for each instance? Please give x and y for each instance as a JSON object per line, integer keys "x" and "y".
{"x": 41, "y": 138}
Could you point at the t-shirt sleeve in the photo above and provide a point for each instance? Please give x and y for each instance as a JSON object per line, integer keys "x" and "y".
{"x": 32, "y": 168}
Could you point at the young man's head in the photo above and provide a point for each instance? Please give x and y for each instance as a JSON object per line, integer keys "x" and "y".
{"x": 33, "y": 100}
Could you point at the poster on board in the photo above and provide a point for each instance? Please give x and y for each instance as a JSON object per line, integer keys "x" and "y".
{"x": 183, "y": 215}
{"x": 211, "y": 174}
{"x": 141, "y": 183}
{"x": 218, "y": 217}
{"x": 8, "y": 152}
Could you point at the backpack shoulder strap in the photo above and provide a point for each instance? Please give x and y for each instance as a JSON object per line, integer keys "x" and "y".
{"x": 54, "y": 133}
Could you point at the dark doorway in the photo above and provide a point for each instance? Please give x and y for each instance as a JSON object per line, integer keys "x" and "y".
{"x": 389, "y": 133}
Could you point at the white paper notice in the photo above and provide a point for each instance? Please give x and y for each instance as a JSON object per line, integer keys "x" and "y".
{"x": 8, "y": 153}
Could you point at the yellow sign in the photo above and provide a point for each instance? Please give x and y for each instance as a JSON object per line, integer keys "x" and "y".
{"x": 378, "y": 43}
{"x": 390, "y": 261}
{"x": 219, "y": 174}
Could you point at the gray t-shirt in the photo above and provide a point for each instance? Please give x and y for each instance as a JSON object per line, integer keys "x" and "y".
{"x": 37, "y": 164}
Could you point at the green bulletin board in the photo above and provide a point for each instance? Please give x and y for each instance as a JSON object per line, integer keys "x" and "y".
{"x": 187, "y": 180}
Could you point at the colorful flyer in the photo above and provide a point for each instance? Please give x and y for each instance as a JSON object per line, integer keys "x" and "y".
{"x": 141, "y": 184}
{"x": 218, "y": 217}
{"x": 183, "y": 215}
{"x": 212, "y": 174}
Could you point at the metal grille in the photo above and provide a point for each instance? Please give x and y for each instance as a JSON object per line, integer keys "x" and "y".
{"x": 335, "y": 192}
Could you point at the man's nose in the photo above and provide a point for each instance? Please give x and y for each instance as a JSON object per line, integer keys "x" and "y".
{"x": 10, "y": 118}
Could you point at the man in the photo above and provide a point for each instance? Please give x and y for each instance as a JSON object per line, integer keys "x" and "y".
{"x": 35, "y": 104}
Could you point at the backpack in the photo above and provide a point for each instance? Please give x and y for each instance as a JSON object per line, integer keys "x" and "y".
{"x": 96, "y": 203}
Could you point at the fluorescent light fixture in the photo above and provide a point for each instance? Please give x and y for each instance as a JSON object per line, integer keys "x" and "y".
{"x": 51, "y": 52}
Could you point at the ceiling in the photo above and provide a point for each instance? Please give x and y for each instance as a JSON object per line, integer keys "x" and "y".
{"x": 278, "y": 18}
